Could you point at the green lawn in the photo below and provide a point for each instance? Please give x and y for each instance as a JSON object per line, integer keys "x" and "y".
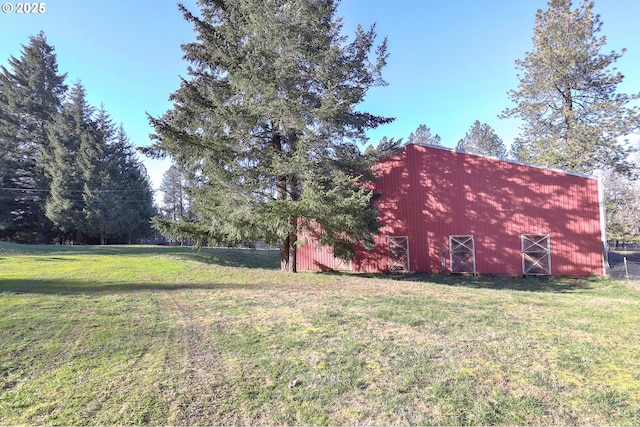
{"x": 142, "y": 335}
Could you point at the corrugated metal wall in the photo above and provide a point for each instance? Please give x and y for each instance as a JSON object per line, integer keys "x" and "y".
{"x": 431, "y": 193}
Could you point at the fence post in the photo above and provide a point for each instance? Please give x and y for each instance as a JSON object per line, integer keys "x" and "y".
{"x": 626, "y": 269}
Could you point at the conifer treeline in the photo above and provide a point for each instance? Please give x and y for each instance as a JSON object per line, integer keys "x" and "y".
{"x": 67, "y": 173}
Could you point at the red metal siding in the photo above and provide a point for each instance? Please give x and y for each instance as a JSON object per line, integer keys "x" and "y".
{"x": 431, "y": 193}
{"x": 312, "y": 256}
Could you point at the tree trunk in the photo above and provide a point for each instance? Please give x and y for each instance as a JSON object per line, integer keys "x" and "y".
{"x": 293, "y": 249}
{"x": 285, "y": 256}
{"x": 288, "y": 253}
{"x": 287, "y": 189}
{"x": 293, "y": 235}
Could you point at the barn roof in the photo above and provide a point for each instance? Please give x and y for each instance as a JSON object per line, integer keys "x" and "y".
{"x": 454, "y": 150}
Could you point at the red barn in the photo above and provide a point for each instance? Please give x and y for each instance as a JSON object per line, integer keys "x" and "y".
{"x": 449, "y": 211}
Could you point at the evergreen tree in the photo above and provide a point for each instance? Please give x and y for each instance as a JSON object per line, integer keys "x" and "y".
{"x": 267, "y": 128}
{"x": 98, "y": 165}
{"x": 98, "y": 188}
{"x": 60, "y": 168}
{"x": 134, "y": 207}
{"x": 176, "y": 208}
{"x": 622, "y": 206}
{"x": 137, "y": 210}
{"x": 72, "y": 131}
{"x": 386, "y": 147}
{"x": 174, "y": 190}
{"x": 423, "y": 136}
{"x": 567, "y": 95}
{"x": 30, "y": 96}
{"x": 482, "y": 139}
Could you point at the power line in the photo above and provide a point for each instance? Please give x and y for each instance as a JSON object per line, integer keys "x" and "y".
{"x": 36, "y": 190}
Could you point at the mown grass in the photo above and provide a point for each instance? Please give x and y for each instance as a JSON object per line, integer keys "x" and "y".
{"x": 139, "y": 335}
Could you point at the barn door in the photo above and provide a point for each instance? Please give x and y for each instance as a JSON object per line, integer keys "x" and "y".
{"x": 536, "y": 254}
{"x": 398, "y": 248}
{"x": 462, "y": 254}
{"x": 341, "y": 264}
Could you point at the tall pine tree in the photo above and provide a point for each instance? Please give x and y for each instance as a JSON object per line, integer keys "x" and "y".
{"x": 31, "y": 92}
{"x": 482, "y": 139}
{"x": 133, "y": 205}
{"x": 99, "y": 191}
{"x": 572, "y": 115}
{"x": 267, "y": 123}
{"x": 423, "y": 135}
{"x": 175, "y": 199}
{"x": 177, "y": 214}
{"x": 64, "y": 171}
{"x": 72, "y": 131}
{"x": 98, "y": 166}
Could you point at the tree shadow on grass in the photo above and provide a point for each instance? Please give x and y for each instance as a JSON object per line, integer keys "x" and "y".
{"x": 235, "y": 258}
{"x": 78, "y": 287}
{"x": 228, "y": 257}
{"x": 498, "y": 282}
{"x": 558, "y": 285}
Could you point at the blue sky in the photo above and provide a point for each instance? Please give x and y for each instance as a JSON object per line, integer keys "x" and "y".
{"x": 451, "y": 62}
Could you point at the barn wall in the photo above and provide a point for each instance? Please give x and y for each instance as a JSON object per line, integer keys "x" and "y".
{"x": 311, "y": 256}
{"x": 431, "y": 193}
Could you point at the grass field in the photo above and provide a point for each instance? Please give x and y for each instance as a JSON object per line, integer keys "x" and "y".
{"x": 140, "y": 335}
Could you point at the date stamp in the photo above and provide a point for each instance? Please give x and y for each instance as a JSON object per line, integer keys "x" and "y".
{"x": 24, "y": 8}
